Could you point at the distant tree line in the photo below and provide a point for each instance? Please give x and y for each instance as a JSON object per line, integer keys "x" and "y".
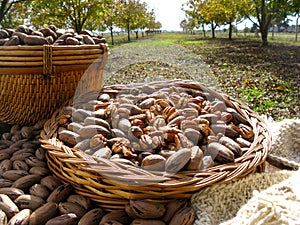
{"x": 263, "y": 13}
{"x": 93, "y": 15}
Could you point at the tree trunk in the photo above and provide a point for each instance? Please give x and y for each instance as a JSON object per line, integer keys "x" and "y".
{"x": 112, "y": 35}
{"x": 3, "y": 9}
{"x": 297, "y": 28}
{"x": 136, "y": 34}
{"x": 128, "y": 32}
{"x": 264, "y": 36}
{"x": 264, "y": 24}
{"x": 203, "y": 29}
{"x": 213, "y": 30}
{"x": 230, "y": 31}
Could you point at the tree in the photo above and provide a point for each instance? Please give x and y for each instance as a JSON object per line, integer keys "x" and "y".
{"x": 6, "y": 18}
{"x": 67, "y": 13}
{"x": 193, "y": 14}
{"x": 203, "y": 12}
{"x": 184, "y": 25}
{"x": 265, "y": 11}
{"x": 132, "y": 15}
{"x": 234, "y": 11}
{"x": 110, "y": 16}
{"x": 218, "y": 12}
{"x": 295, "y": 11}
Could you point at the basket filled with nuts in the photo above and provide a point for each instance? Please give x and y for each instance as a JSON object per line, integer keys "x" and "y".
{"x": 40, "y": 70}
{"x": 159, "y": 140}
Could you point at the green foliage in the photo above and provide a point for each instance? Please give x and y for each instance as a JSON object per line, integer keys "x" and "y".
{"x": 12, "y": 12}
{"x": 79, "y": 14}
{"x": 217, "y": 12}
{"x": 133, "y": 15}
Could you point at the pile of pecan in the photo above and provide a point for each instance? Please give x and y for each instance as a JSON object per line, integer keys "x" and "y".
{"x": 24, "y": 35}
{"x": 162, "y": 129}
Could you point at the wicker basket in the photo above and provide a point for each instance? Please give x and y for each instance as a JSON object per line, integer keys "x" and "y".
{"x": 37, "y": 80}
{"x": 112, "y": 184}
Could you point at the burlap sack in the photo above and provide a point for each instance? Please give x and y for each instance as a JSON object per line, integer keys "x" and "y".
{"x": 260, "y": 198}
{"x": 277, "y": 205}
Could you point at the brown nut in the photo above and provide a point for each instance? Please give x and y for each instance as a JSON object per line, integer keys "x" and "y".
{"x": 147, "y": 222}
{"x": 68, "y": 137}
{"x": 14, "y": 174}
{"x": 116, "y": 215}
{"x": 103, "y": 153}
{"x": 60, "y": 193}
{"x": 26, "y": 181}
{"x": 172, "y": 207}
{"x": 21, "y": 218}
{"x": 66, "y": 219}
{"x": 8, "y": 206}
{"x": 20, "y": 165}
{"x": 80, "y": 200}
{"x": 44, "y": 213}
{"x": 92, "y": 217}
{"x": 41, "y": 171}
{"x": 184, "y": 216}
{"x": 178, "y": 160}
{"x": 5, "y": 165}
{"x": 154, "y": 162}
{"x": 5, "y": 183}
{"x": 70, "y": 207}
{"x": 39, "y": 190}
{"x": 193, "y": 135}
{"x": 91, "y": 130}
{"x": 29, "y": 202}
{"x": 144, "y": 209}
{"x": 220, "y": 152}
{"x": 11, "y": 192}
{"x": 196, "y": 159}
{"x": 50, "y": 182}
{"x": 232, "y": 145}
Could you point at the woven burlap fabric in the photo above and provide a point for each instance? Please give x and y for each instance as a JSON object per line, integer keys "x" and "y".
{"x": 229, "y": 202}
{"x": 277, "y": 205}
{"x": 286, "y": 139}
{"x": 216, "y": 204}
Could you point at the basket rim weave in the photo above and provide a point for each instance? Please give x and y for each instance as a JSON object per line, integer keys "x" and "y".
{"x": 48, "y": 59}
{"x": 76, "y": 167}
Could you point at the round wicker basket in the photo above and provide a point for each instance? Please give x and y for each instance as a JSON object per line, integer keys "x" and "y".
{"x": 37, "y": 80}
{"x": 112, "y": 183}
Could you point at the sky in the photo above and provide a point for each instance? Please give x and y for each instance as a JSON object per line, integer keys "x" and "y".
{"x": 168, "y": 12}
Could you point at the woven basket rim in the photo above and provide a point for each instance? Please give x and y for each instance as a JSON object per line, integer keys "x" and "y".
{"x": 76, "y": 167}
{"x": 66, "y": 47}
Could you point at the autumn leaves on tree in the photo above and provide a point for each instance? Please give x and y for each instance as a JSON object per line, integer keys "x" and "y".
{"x": 226, "y": 12}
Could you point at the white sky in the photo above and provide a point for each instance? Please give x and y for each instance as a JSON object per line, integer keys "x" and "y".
{"x": 168, "y": 12}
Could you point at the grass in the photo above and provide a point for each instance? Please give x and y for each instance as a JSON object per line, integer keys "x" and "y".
{"x": 267, "y": 79}
{"x": 264, "y": 78}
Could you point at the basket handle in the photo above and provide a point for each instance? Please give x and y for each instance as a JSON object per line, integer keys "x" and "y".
{"x": 47, "y": 60}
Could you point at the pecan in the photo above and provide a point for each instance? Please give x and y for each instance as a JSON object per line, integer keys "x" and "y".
{"x": 154, "y": 162}
{"x": 178, "y": 160}
{"x": 220, "y": 152}
{"x": 184, "y": 216}
{"x": 145, "y": 209}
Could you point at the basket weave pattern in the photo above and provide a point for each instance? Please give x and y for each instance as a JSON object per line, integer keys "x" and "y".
{"x": 112, "y": 184}
{"x": 37, "y": 80}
